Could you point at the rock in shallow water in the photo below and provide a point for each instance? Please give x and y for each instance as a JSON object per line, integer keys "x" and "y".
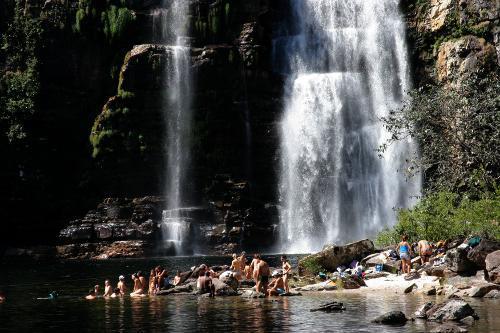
{"x": 451, "y": 310}
{"x": 330, "y": 307}
{"x": 391, "y": 318}
{"x": 422, "y": 311}
{"x": 448, "y": 328}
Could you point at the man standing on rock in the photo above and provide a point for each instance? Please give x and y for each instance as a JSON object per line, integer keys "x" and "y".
{"x": 263, "y": 273}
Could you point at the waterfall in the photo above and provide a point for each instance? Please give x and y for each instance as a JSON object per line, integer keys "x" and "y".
{"x": 347, "y": 66}
{"x": 170, "y": 27}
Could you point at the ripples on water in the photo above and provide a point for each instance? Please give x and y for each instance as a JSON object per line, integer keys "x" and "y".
{"x": 24, "y": 282}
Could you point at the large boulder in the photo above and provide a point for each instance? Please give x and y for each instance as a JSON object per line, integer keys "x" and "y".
{"x": 451, "y": 310}
{"x": 482, "y": 289}
{"x": 479, "y": 253}
{"x": 492, "y": 265}
{"x": 333, "y": 256}
{"x": 457, "y": 261}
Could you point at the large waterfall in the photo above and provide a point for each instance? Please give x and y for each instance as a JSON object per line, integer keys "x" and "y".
{"x": 170, "y": 27}
{"x": 347, "y": 67}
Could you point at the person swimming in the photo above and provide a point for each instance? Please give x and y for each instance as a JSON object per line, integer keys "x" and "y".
{"x": 97, "y": 290}
{"x": 91, "y": 294}
{"x": 116, "y": 293}
{"x": 2, "y": 297}
{"x": 108, "y": 289}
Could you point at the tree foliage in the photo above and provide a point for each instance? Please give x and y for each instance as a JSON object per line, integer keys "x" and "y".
{"x": 443, "y": 215}
{"x": 458, "y": 129}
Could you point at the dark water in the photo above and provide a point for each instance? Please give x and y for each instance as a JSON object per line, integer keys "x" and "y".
{"x": 23, "y": 283}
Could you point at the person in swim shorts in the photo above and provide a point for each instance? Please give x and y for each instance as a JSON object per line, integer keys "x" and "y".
{"x": 263, "y": 273}
{"x": 405, "y": 253}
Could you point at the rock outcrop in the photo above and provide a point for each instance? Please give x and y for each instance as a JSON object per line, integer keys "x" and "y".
{"x": 492, "y": 265}
{"x": 332, "y": 256}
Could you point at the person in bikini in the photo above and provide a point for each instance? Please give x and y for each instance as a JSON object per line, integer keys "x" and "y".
{"x": 287, "y": 269}
{"x": 424, "y": 250}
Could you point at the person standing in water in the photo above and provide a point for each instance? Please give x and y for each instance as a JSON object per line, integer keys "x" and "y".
{"x": 91, "y": 295}
{"x": 263, "y": 273}
{"x": 138, "y": 286}
{"x": 108, "y": 289}
{"x": 254, "y": 267}
{"x": 287, "y": 268}
{"x": 236, "y": 267}
{"x": 405, "y": 253}
{"x": 121, "y": 284}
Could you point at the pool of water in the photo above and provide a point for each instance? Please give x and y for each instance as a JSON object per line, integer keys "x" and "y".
{"x": 24, "y": 282}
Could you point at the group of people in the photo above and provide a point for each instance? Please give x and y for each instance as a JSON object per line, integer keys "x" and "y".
{"x": 257, "y": 270}
{"x": 424, "y": 248}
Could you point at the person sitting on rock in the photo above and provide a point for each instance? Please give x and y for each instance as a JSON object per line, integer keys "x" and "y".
{"x": 152, "y": 283}
{"x": 205, "y": 284}
{"x": 263, "y": 273}
{"x": 161, "y": 276}
{"x": 177, "y": 278}
{"x": 287, "y": 272}
{"x": 121, "y": 285}
{"x": 108, "y": 289}
{"x": 277, "y": 286}
{"x": 405, "y": 253}
{"x": 138, "y": 286}
{"x": 91, "y": 295}
{"x": 424, "y": 250}
{"x": 236, "y": 267}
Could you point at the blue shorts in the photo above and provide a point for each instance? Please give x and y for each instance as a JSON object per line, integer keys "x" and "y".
{"x": 404, "y": 256}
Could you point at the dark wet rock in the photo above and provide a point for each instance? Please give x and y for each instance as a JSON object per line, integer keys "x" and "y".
{"x": 457, "y": 260}
{"x": 222, "y": 289}
{"x": 410, "y": 288}
{"x": 186, "y": 288}
{"x": 493, "y": 294}
{"x": 481, "y": 290}
{"x": 428, "y": 290}
{"x": 333, "y": 256}
{"x": 105, "y": 250}
{"x": 291, "y": 294}
{"x": 330, "y": 307}
{"x": 391, "y": 318}
{"x": 422, "y": 311}
{"x": 478, "y": 254}
{"x": 451, "y": 310}
{"x": 469, "y": 321}
{"x": 448, "y": 328}
{"x": 492, "y": 266}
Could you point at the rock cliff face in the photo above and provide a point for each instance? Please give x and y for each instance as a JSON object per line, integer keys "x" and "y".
{"x": 99, "y": 71}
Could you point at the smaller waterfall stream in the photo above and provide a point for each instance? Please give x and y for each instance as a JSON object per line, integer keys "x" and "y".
{"x": 170, "y": 28}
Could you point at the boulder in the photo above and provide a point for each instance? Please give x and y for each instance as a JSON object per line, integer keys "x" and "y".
{"x": 450, "y": 310}
{"x": 333, "y": 256}
{"x": 391, "y": 318}
{"x": 481, "y": 290}
{"x": 493, "y": 294}
{"x": 222, "y": 289}
{"x": 457, "y": 261}
{"x": 478, "y": 254}
{"x": 410, "y": 288}
{"x": 492, "y": 266}
{"x": 422, "y": 311}
{"x": 428, "y": 290}
{"x": 330, "y": 307}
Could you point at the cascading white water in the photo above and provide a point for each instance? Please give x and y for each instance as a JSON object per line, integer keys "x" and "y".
{"x": 347, "y": 67}
{"x": 177, "y": 106}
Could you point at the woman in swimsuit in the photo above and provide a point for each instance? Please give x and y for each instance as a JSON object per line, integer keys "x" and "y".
{"x": 405, "y": 253}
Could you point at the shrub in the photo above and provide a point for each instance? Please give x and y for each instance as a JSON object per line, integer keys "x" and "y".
{"x": 443, "y": 215}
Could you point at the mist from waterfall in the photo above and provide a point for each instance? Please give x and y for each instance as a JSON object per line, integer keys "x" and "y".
{"x": 170, "y": 27}
{"x": 347, "y": 66}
